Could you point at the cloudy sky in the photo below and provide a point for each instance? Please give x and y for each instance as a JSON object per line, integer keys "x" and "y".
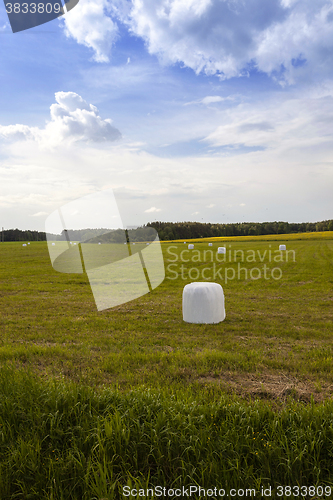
{"x": 206, "y": 110}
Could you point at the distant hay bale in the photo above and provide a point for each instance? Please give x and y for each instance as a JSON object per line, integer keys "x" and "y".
{"x": 191, "y": 246}
{"x": 282, "y": 247}
{"x": 221, "y": 250}
{"x": 210, "y": 244}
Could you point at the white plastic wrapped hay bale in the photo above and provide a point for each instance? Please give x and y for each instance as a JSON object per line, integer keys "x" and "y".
{"x": 24, "y": 245}
{"x": 221, "y": 250}
{"x": 210, "y": 244}
{"x": 282, "y": 247}
{"x": 191, "y": 246}
{"x": 203, "y": 303}
{"x": 184, "y": 242}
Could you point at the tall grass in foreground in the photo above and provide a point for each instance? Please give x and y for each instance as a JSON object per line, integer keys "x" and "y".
{"x": 62, "y": 441}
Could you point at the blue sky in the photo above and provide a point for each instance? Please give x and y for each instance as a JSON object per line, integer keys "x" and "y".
{"x": 207, "y": 110}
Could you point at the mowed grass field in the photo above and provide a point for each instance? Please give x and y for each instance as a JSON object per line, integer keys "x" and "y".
{"x": 277, "y": 332}
{"x": 92, "y": 401}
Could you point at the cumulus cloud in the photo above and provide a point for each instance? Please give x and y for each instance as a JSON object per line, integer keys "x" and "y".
{"x": 228, "y": 37}
{"x": 18, "y": 132}
{"x": 283, "y": 38}
{"x": 72, "y": 119}
{"x": 90, "y": 25}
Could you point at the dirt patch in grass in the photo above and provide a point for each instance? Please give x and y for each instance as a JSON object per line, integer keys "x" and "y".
{"x": 271, "y": 387}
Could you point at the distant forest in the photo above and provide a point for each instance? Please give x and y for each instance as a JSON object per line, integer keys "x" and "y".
{"x": 18, "y": 235}
{"x": 73, "y": 235}
{"x": 174, "y": 231}
{"x": 188, "y": 230}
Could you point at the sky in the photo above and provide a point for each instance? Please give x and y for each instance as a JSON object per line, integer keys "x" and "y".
{"x": 214, "y": 111}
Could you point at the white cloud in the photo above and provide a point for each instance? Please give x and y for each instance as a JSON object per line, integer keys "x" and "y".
{"x": 224, "y": 36}
{"x": 277, "y": 124}
{"x": 294, "y": 185}
{"x": 303, "y": 43}
{"x": 212, "y": 205}
{"x": 152, "y": 210}
{"x": 288, "y": 39}
{"x": 18, "y": 132}
{"x": 72, "y": 119}
{"x": 210, "y": 99}
{"x": 89, "y": 24}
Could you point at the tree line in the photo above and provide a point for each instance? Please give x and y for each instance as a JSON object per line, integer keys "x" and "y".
{"x": 188, "y": 230}
{"x": 102, "y": 235}
{"x": 173, "y": 231}
{"x": 72, "y": 235}
{"x": 19, "y": 235}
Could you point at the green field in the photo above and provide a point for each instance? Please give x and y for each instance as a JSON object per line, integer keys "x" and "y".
{"x": 92, "y": 401}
